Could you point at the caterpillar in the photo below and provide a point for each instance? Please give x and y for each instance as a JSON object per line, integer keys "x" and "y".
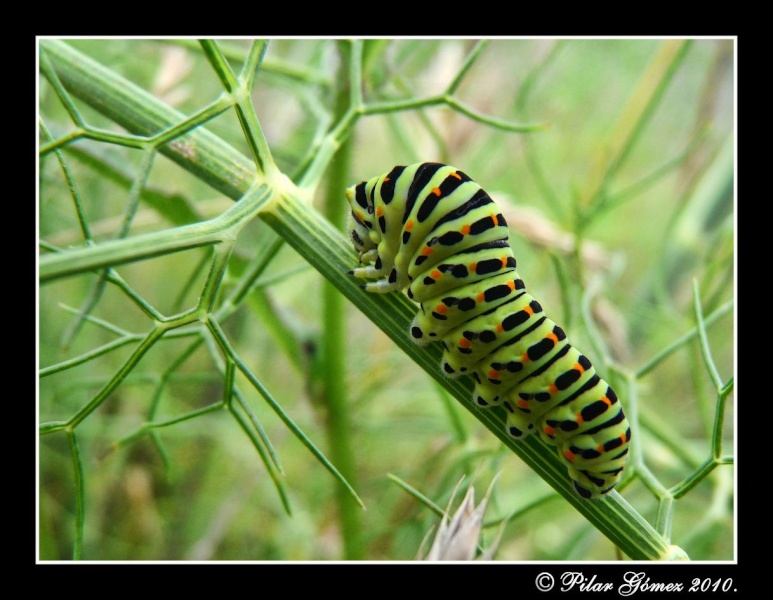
{"x": 428, "y": 229}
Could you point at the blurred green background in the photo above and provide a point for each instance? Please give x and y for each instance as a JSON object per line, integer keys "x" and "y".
{"x": 648, "y": 191}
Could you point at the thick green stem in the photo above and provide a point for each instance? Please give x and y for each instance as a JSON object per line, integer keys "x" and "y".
{"x": 334, "y": 392}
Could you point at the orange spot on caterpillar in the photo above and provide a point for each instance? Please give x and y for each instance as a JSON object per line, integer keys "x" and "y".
{"x": 569, "y": 455}
{"x": 480, "y": 297}
{"x": 473, "y": 267}
{"x": 552, "y": 336}
{"x": 524, "y": 357}
{"x": 495, "y": 220}
{"x": 523, "y": 403}
{"x": 600, "y": 448}
{"x": 549, "y": 430}
{"x": 387, "y": 179}
{"x": 466, "y": 230}
{"x": 379, "y": 211}
{"x": 426, "y": 251}
{"x": 578, "y": 367}
{"x": 579, "y": 419}
{"x": 606, "y": 401}
{"x": 441, "y": 308}
{"x": 436, "y": 191}
{"x": 528, "y": 310}
{"x": 504, "y": 262}
{"x": 435, "y": 274}
{"x": 511, "y": 285}
{"x": 552, "y": 388}
{"x": 493, "y": 374}
{"x": 455, "y": 174}
{"x": 409, "y": 225}
{"x": 464, "y": 343}
{"x": 500, "y": 328}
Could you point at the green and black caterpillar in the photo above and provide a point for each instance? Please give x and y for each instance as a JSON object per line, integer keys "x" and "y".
{"x": 431, "y": 230}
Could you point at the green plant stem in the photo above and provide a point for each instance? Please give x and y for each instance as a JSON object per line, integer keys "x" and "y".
{"x": 418, "y": 495}
{"x": 705, "y": 349}
{"x": 225, "y": 345}
{"x": 157, "y": 243}
{"x": 80, "y": 493}
{"x": 632, "y": 120}
{"x": 245, "y": 111}
{"x": 334, "y": 391}
{"x": 468, "y": 62}
{"x": 673, "y": 347}
{"x": 272, "y": 471}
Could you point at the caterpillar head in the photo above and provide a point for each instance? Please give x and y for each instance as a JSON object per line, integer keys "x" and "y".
{"x": 360, "y": 219}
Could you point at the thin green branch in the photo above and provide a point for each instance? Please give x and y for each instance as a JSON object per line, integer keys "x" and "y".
{"x": 519, "y": 512}
{"x": 469, "y": 61}
{"x": 87, "y": 356}
{"x": 50, "y": 73}
{"x": 687, "y": 337}
{"x": 665, "y": 516}
{"x": 187, "y": 286}
{"x": 200, "y": 117}
{"x": 146, "y": 344}
{"x": 245, "y": 111}
{"x": 272, "y": 472}
{"x": 708, "y": 361}
{"x": 157, "y": 243}
{"x": 106, "y": 325}
{"x": 150, "y": 426}
{"x": 80, "y": 493}
{"x": 215, "y": 277}
{"x": 495, "y": 122}
{"x": 418, "y": 495}
{"x": 719, "y": 419}
{"x": 631, "y": 122}
{"x": 615, "y": 199}
{"x": 62, "y": 141}
{"x": 457, "y": 425}
{"x": 130, "y": 210}
{"x": 531, "y": 155}
{"x": 205, "y": 410}
{"x": 356, "y": 101}
{"x": 254, "y": 61}
{"x": 673, "y": 440}
{"x": 226, "y": 347}
{"x": 73, "y": 188}
{"x": 256, "y": 425}
{"x": 247, "y": 282}
{"x": 220, "y": 65}
{"x": 694, "y": 478}
{"x": 128, "y": 140}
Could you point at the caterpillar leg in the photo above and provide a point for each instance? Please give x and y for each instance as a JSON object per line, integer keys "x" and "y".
{"x": 366, "y": 272}
{"x": 383, "y": 276}
{"x": 595, "y": 465}
{"x": 518, "y": 425}
{"x": 591, "y": 485}
{"x": 382, "y": 286}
